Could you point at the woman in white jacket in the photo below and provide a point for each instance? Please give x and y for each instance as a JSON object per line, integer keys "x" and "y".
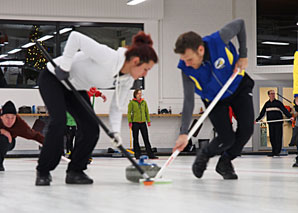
{"x": 86, "y": 63}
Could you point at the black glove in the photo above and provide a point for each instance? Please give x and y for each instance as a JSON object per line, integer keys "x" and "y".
{"x": 61, "y": 74}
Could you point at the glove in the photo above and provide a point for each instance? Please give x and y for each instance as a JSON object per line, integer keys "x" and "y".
{"x": 149, "y": 123}
{"x": 61, "y": 74}
{"x": 130, "y": 125}
{"x": 116, "y": 140}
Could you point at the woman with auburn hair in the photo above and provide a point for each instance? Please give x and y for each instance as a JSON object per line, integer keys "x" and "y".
{"x": 87, "y": 63}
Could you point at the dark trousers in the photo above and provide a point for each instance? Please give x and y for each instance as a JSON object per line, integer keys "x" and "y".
{"x": 58, "y": 100}
{"x": 227, "y": 141}
{"x": 70, "y": 134}
{"x": 5, "y": 146}
{"x": 294, "y": 139}
{"x": 275, "y": 134}
{"x": 136, "y": 127}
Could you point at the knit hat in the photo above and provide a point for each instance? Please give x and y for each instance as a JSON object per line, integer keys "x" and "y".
{"x": 8, "y": 108}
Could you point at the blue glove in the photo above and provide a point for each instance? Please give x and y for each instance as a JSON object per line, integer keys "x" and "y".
{"x": 61, "y": 74}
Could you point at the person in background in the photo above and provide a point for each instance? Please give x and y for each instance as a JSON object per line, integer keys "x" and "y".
{"x": 295, "y": 93}
{"x": 71, "y": 128}
{"x": 294, "y": 140}
{"x": 274, "y": 109}
{"x": 137, "y": 116}
{"x": 12, "y": 126}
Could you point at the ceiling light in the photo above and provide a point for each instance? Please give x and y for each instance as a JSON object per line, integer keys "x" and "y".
{"x": 28, "y": 45}
{"x": 287, "y": 58}
{"x": 65, "y": 30}
{"x": 134, "y": 2}
{"x": 3, "y": 55}
{"x": 12, "y": 63}
{"x": 275, "y": 43}
{"x": 45, "y": 38}
{"x": 14, "y": 51}
{"x": 264, "y": 56}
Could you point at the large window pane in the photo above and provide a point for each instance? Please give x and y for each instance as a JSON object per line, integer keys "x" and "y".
{"x": 277, "y": 28}
{"x": 20, "y": 60}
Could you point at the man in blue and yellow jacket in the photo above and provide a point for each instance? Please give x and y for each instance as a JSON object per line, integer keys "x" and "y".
{"x": 206, "y": 64}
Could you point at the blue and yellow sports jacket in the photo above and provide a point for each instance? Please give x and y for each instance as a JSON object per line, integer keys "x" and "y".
{"x": 211, "y": 76}
{"x": 295, "y": 75}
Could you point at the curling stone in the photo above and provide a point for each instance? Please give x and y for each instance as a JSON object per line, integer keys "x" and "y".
{"x": 133, "y": 175}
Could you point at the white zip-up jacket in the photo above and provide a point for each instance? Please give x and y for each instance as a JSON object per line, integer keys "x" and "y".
{"x": 91, "y": 64}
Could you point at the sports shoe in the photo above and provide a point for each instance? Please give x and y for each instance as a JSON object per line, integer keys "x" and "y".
{"x": 200, "y": 164}
{"x": 295, "y": 164}
{"x": 74, "y": 177}
{"x": 153, "y": 157}
{"x": 225, "y": 168}
{"x": 2, "y": 169}
{"x": 43, "y": 179}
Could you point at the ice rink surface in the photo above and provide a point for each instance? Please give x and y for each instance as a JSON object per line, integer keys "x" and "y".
{"x": 265, "y": 185}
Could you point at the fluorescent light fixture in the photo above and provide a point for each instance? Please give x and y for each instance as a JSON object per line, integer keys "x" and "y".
{"x": 264, "y": 56}
{"x": 287, "y": 58}
{"x": 13, "y": 63}
{"x": 134, "y": 2}
{"x": 45, "y": 38}
{"x": 28, "y": 45}
{"x": 14, "y": 51}
{"x": 64, "y": 30}
{"x": 275, "y": 43}
{"x": 3, "y": 55}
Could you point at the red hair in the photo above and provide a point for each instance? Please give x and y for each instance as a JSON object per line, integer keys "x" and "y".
{"x": 142, "y": 47}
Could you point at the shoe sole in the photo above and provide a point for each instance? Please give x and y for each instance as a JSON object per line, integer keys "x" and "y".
{"x": 79, "y": 183}
{"x": 42, "y": 184}
{"x": 226, "y": 177}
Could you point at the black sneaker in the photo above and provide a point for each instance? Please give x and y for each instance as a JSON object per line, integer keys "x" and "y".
{"x": 43, "y": 179}
{"x": 225, "y": 168}
{"x": 74, "y": 177}
{"x": 200, "y": 164}
{"x": 2, "y": 169}
{"x": 296, "y": 163}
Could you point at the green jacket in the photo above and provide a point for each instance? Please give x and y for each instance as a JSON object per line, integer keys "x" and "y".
{"x": 70, "y": 121}
{"x": 138, "y": 111}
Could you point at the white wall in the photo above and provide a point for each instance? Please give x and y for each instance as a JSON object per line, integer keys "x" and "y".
{"x": 164, "y": 20}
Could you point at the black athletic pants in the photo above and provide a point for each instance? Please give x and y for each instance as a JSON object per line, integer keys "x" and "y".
{"x": 275, "y": 134}
{"x": 5, "y": 146}
{"x": 58, "y": 100}
{"x": 70, "y": 134}
{"x": 136, "y": 127}
{"x": 227, "y": 141}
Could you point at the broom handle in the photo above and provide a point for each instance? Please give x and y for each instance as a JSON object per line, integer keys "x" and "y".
{"x": 273, "y": 121}
{"x": 200, "y": 121}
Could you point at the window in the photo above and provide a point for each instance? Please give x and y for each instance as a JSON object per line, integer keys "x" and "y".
{"x": 20, "y": 60}
{"x": 277, "y": 30}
